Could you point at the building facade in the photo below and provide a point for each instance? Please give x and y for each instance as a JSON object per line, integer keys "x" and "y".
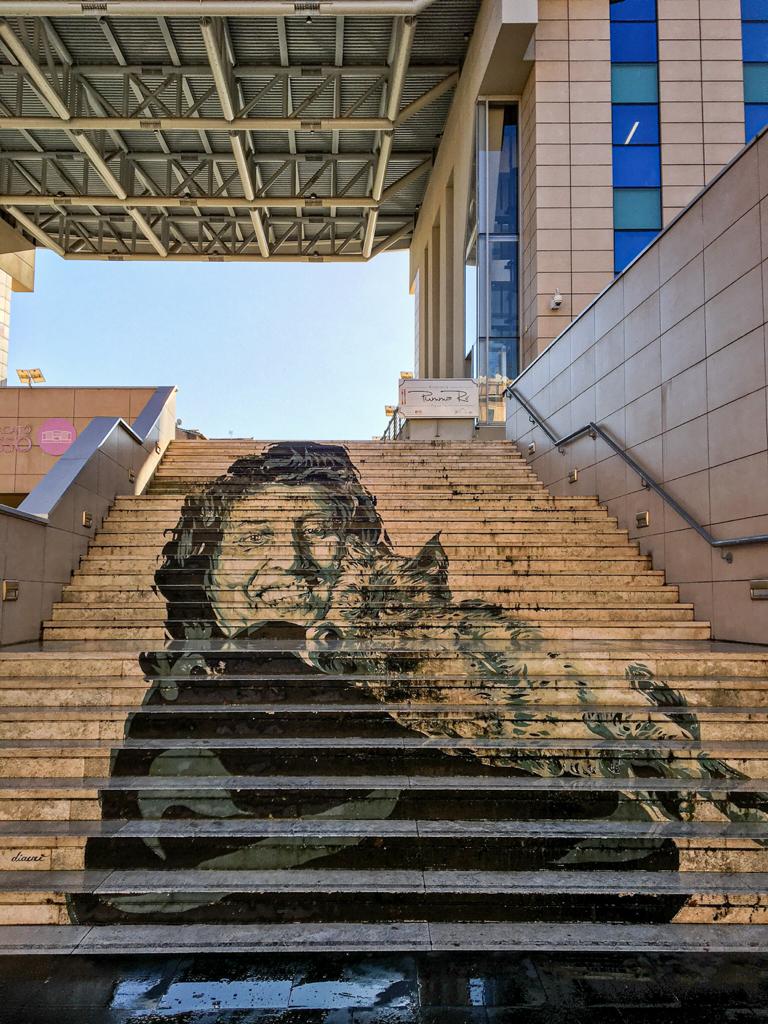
{"x": 578, "y": 130}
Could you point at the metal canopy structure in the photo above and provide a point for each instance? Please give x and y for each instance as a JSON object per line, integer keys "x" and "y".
{"x": 223, "y": 131}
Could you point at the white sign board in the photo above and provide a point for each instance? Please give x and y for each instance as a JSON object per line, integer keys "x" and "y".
{"x": 439, "y": 399}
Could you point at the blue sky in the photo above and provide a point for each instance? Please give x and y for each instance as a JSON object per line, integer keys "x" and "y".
{"x": 264, "y": 350}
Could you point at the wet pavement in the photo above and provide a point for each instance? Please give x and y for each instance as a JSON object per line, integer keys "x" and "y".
{"x": 374, "y": 989}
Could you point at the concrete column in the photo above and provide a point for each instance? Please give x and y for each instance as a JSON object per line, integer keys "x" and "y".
{"x": 446, "y": 367}
{"x": 435, "y": 306}
{"x": 5, "y": 323}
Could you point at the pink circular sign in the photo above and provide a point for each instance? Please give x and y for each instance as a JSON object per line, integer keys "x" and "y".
{"x": 55, "y": 436}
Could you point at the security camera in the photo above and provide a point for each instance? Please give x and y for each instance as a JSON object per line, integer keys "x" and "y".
{"x": 557, "y": 300}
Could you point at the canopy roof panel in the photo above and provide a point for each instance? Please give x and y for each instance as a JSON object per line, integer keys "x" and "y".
{"x": 254, "y": 130}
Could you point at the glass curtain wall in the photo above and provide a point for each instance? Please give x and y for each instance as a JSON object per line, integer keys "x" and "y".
{"x": 492, "y": 258}
{"x": 754, "y": 46}
{"x": 635, "y": 128}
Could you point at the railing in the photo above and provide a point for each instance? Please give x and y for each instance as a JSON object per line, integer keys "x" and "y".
{"x": 595, "y": 431}
{"x": 395, "y": 427}
{"x": 52, "y": 527}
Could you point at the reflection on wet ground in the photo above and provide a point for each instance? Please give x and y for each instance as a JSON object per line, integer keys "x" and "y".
{"x": 374, "y": 989}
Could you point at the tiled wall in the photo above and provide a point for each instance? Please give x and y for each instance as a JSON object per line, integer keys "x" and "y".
{"x": 566, "y": 135}
{"x": 701, "y": 94}
{"x": 24, "y": 409}
{"x": 671, "y": 360}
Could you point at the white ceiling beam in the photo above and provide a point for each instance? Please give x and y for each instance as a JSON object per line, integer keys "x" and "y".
{"x": 143, "y": 225}
{"x": 214, "y": 8}
{"x": 210, "y": 124}
{"x": 44, "y": 88}
{"x": 390, "y": 240}
{"x": 213, "y": 39}
{"x": 42, "y": 236}
{"x": 406, "y": 29}
{"x": 201, "y": 202}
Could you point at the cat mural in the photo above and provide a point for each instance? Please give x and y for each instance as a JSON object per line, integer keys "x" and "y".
{"x": 280, "y": 578}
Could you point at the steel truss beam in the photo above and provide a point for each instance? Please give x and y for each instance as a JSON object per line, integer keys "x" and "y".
{"x": 159, "y": 99}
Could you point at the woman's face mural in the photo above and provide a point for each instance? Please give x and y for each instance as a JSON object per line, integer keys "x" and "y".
{"x": 276, "y": 565}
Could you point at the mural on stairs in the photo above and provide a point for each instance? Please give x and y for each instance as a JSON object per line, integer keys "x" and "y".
{"x": 282, "y": 586}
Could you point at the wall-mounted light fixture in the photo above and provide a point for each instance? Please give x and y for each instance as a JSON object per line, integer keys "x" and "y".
{"x": 573, "y": 476}
{"x": 10, "y": 590}
{"x": 87, "y": 520}
{"x": 642, "y": 519}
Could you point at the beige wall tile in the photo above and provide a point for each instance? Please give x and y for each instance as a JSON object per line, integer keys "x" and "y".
{"x": 739, "y": 427}
{"x": 733, "y": 253}
{"x": 737, "y": 369}
{"x": 735, "y": 311}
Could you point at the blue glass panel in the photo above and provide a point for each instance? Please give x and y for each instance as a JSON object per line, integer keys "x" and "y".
{"x": 634, "y": 83}
{"x": 633, "y": 10}
{"x": 754, "y": 38}
{"x": 627, "y": 244}
{"x": 756, "y": 83}
{"x": 635, "y": 41}
{"x": 635, "y": 124}
{"x": 503, "y": 215}
{"x": 636, "y": 167}
{"x": 754, "y": 10}
{"x": 755, "y": 118}
{"x": 502, "y": 277}
{"x": 635, "y": 208}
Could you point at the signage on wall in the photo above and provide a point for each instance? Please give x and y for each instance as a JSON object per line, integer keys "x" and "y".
{"x": 439, "y": 399}
{"x": 16, "y": 438}
{"x": 56, "y": 436}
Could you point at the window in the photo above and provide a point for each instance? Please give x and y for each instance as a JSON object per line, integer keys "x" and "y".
{"x": 634, "y": 41}
{"x": 754, "y": 44}
{"x": 635, "y": 128}
{"x": 628, "y": 244}
{"x": 635, "y": 124}
{"x": 492, "y": 250}
{"x": 634, "y": 83}
{"x": 635, "y": 208}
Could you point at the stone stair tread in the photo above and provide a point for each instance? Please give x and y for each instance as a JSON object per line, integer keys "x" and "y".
{"x": 318, "y": 881}
{"x": 367, "y": 783}
{"x": 382, "y": 709}
{"x": 47, "y": 747}
{"x": 416, "y": 936}
{"x": 318, "y": 828}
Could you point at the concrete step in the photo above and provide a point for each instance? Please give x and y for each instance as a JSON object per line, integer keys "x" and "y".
{"x": 647, "y": 579}
{"x": 291, "y": 797}
{"x": 544, "y": 511}
{"x": 282, "y": 548}
{"x": 372, "y": 896}
{"x": 150, "y": 614}
{"x": 406, "y": 754}
{"x": 524, "y": 598}
{"x": 559, "y": 630}
{"x": 422, "y": 936}
{"x": 131, "y": 527}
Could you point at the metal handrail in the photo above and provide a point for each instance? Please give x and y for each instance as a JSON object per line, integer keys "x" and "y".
{"x": 394, "y": 427}
{"x": 594, "y": 431}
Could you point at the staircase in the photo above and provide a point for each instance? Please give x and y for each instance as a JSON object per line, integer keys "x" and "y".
{"x": 362, "y": 696}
